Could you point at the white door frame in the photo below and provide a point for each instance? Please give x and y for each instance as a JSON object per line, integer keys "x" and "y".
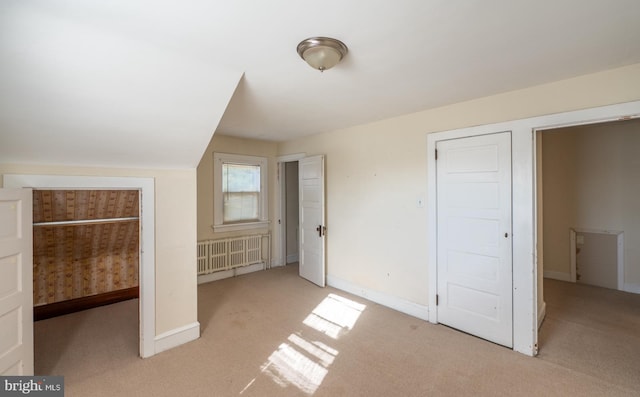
{"x": 280, "y": 242}
{"x": 147, "y": 234}
{"x": 525, "y": 285}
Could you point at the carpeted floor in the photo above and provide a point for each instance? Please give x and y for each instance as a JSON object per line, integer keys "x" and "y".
{"x": 273, "y": 334}
{"x": 592, "y": 330}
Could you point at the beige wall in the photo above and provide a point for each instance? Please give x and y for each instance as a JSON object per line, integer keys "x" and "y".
{"x": 175, "y": 234}
{"x": 226, "y": 144}
{"x": 591, "y": 179}
{"x": 376, "y": 172}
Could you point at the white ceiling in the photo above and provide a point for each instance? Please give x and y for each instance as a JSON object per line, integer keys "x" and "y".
{"x": 145, "y": 83}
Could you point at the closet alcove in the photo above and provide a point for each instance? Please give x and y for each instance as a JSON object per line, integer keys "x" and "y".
{"x": 86, "y": 246}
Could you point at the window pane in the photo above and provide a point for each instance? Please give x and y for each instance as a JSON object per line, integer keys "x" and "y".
{"x": 241, "y": 192}
{"x": 240, "y": 207}
{"x": 240, "y": 178}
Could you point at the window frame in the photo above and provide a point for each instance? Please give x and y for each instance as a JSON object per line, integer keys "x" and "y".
{"x": 218, "y": 202}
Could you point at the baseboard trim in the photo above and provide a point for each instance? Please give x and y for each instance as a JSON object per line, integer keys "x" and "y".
{"x": 390, "y": 301}
{"x": 88, "y": 302}
{"x": 633, "y": 288}
{"x": 542, "y": 313}
{"x": 176, "y": 337}
{"x": 557, "y": 275}
{"x": 249, "y": 269}
{"x": 207, "y": 278}
{"x": 292, "y": 258}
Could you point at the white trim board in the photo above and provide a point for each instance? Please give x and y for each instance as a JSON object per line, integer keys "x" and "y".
{"x": 178, "y": 336}
{"x": 525, "y": 317}
{"x": 632, "y": 288}
{"x": 558, "y": 276}
{"x": 277, "y": 263}
{"x": 542, "y": 313}
{"x": 207, "y": 278}
{"x": 147, "y": 278}
{"x": 390, "y": 301}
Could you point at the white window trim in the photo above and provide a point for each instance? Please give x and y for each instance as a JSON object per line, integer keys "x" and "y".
{"x": 218, "y": 216}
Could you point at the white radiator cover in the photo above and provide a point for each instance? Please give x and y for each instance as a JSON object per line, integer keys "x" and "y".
{"x": 233, "y": 252}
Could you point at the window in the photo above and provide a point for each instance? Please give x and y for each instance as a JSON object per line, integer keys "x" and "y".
{"x": 240, "y": 192}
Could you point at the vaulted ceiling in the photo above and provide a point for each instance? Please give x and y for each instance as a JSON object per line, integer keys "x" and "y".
{"x": 146, "y": 83}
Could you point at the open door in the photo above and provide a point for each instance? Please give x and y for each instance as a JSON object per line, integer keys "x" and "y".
{"x": 312, "y": 227}
{"x": 474, "y": 259}
{"x": 16, "y": 282}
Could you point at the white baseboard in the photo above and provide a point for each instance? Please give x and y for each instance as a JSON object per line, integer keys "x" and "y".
{"x": 633, "y": 288}
{"x": 542, "y": 312}
{"x": 249, "y": 269}
{"x": 292, "y": 258}
{"x": 176, "y": 337}
{"x": 393, "y": 302}
{"x": 207, "y": 278}
{"x": 557, "y": 275}
{"x": 277, "y": 262}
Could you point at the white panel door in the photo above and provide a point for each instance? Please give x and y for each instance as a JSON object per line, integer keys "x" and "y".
{"x": 474, "y": 250}
{"x": 312, "y": 227}
{"x": 16, "y": 282}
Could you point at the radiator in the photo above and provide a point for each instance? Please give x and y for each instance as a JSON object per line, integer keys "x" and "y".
{"x": 230, "y": 253}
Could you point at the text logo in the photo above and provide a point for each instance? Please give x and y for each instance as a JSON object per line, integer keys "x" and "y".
{"x": 41, "y": 386}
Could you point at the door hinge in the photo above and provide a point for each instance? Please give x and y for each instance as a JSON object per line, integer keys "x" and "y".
{"x": 436, "y": 154}
{"x": 437, "y": 299}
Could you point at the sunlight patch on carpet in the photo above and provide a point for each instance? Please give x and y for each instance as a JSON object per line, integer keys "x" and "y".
{"x": 304, "y": 363}
{"x": 334, "y": 316}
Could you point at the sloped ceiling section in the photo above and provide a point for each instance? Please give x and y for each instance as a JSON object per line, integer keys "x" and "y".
{"x": 79, "y": 88}
{"x": 146, "y": 82}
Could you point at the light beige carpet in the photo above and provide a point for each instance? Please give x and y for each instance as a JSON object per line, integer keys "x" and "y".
{"x": 273, "y": 334}
{"x": 593, "y": 330}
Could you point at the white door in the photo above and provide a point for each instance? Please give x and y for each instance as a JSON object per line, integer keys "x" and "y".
{"x": 312, "y": 227}
{"x": 474, "y": 248}
{"x": 16, "y": 282}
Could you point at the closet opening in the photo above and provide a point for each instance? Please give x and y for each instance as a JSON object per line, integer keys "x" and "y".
{"x": 86, "y": 272}
{"x": 85, "y": 249}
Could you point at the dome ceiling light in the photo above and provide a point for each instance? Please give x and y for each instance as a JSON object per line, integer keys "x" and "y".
{"x": 322, "y": 53}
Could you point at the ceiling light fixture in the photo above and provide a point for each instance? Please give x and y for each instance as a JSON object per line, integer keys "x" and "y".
{"x": 322, "y": 53}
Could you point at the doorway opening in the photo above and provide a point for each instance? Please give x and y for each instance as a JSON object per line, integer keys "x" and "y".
{"x": 86, "y": 255}
{"x": 291, "y": 213}
{"x": 587, "y": 183}
{"x": 588, "y": 226}
{"x": 311, "y": 222}
{"x": 288, "y": 236}
{"x": 146, "y": 246}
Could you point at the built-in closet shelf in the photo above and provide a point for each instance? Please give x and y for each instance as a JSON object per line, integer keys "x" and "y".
{"x": 87, "y": 221}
